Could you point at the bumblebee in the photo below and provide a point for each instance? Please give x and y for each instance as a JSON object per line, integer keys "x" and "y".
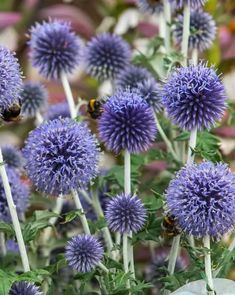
{"x": 94, "y": 108}
{"x": 169, "y": 226}
{"x": 12, "y": 114}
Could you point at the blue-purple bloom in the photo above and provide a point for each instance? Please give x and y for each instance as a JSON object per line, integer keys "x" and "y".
{"x": 20, "y": 194}
{"x": 131, "y": 77}
{"x": 202, "y": 199}
{"x": 61, "y": 155}
{"x": 127, "y": 123}
{"x": 194, "y": 97}
{"x": 33, "y": 98}
{"x": 150, "y": 6}
{"x": 58, "y": 110}
{"x": 12, "y": 156}
{"x": 106, "y": 55}
{"x": 10, "y": 79}
{"x": 195, "y": 4}
{"x": 125, "y": 214}
{"x": 12, "y": 246}
{"x": 202, "y": 30}
{"x": 24, "y": 288}
{"x": 84, "y": 253}
{"x": 151, "y": 91}
{"x": 54, "y": 48}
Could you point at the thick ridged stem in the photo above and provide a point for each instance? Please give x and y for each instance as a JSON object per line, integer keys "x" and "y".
{"x": 191, "y": 146}
{"x": 125, "y": 255}
{"x": 14, "y": 216}
{"x": 69, "y": 95}
{"x": 82, "y": 216}
{"x": 186, "y": 32}
{"x": 173, "y": 254}
{"x": 167, "y": 17}
{"x": 206, "y": 244}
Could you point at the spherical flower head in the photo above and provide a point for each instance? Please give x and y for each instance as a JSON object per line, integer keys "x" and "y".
{"x": 131, "y": 77}
{"x": 202, "y": 199}
{"x": 202, "y": 30}
{"x": 125, "y": 214}
{"x": 106, "y": 55}
{"x": 24, "y": 288}
{"x": 127, "y": 122}
{"x": 194, "y": 97}
{"x": 20, "y": 194}
{"x": 195, "y": 4}
{"x": 61, "y": 155}
{"x": 12, "y": 156}
{"x": 150, "y": 6}
{"x": 33, "y": 99}
{"x": 84, "y": 253}
{"x": 58, "y": 110}
{"x": 151, "y": 91}
{"x": 54, "y": 48}
{"x": 10, "y": 77}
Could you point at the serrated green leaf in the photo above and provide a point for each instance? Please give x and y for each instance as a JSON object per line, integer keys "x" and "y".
{"x": 68, "y": 217}
{"x": 44, "y": 214}
{"x": 184, "y": 136}
{"x": 6, "y": 280}
{"x": 7, "y": 228}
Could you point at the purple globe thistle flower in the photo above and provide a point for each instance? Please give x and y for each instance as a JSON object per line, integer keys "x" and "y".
{"x": 12, "y": 156}
{"x": 33, "y": 98}
{"x": 24, "y": 288}
{"x": 58, "y": 110}
{"x": 150, "y": 6}
{"x": 125, "y": 214}
{"x": 127, "y": 123}
{"x": 194, "y": 97}
{"x": 54, "y": 48}
{"x": 20, "y": 194}
{"x": 131, "y": 77}
{"x": 202, "y": 30}
{"x": 84, "y": 253}
{"x": 195, "y": 4}
{"x": 106, "y": 55}
{"x": 61, "y": 155}
{"x": 10, "y": 77}
{"x": 202, "y": 199}
{"x": 151, "y": 91}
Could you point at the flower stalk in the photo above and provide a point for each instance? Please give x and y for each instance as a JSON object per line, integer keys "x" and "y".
{"x": 186, "y": 32}
{"x": 69, "y": 95}
{"x": 167, "y": 17}
{"x": 14, "y": 216}
{"x": 206, "y": 243}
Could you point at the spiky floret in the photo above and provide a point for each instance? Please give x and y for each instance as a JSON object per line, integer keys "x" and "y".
{"x": 151, "y": 91}
{"x": 125, "y": 214}
{"x": 84, "y": 253}
{"x": 61, "y": 155}
{"x": 33, "y": 98}
{"x": 58, "y": 110}
{"x": 24, "y": 288}
{"x": 12, "y": 156}
{"x": 202, "y": 30}
{"x": 202, "y": 199}
{"x": 54, "y": 48}
{"x": 10, "y": 79}
{"x": 150, "y": 6}
{"x": 131, "y": 76}
{"x": 20, "y": 194}
{"x": 127, "y": 123}
{"x": 106, "y": 55}
{"x": 194, "y": 97}
{"x": 195, "y": 4}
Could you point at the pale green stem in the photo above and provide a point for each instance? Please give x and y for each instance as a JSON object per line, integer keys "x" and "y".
{"x": 14, "y": 216}
{"x": 161, "y": 25}
{"x": 82, "y": 216}
{"x": 173, "y": 254}
{"x": 3, "y": 244}
{"x": 39, "y": 118}
{"x": 103, "y": 267}
{"x": 69, "y": 95}
{"x": 127, "y": 172}
{"x": 195, "y": 57}
{"x": 206, "y": 244}
{"x": 166, "y": 140}
{"x": 100, "y": 213}
{"x": 125, "y": 256}
{"x": 186, "y": 32}
{"x": 191, "y": 146}
{"x": 167, "y": 17}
